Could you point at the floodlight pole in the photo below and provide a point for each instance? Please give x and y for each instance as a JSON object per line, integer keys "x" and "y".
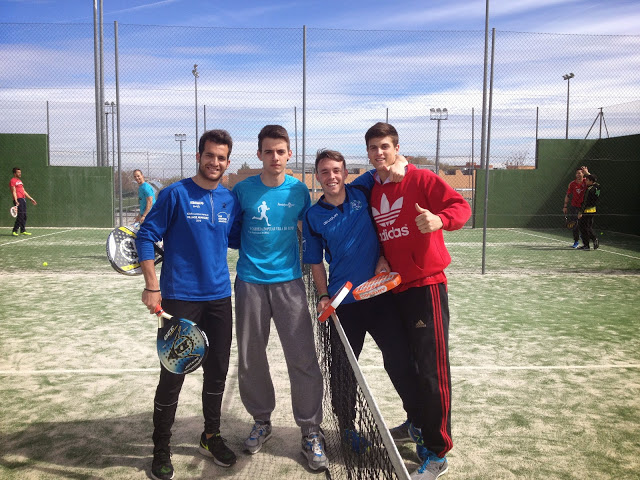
{"x": 112, "y": 105}
{"x": 438, "y": 114}
{"x": 106, "y": 114}
{"x": 568, "y": 78}
{"x": 181, "y": 137}
{"x": 195, "y": 78}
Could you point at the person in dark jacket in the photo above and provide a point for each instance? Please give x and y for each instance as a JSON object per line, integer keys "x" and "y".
{"x": 588, "y": 212}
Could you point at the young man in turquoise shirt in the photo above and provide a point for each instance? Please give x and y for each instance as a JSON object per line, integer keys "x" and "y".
{"x": 269, "y": 286}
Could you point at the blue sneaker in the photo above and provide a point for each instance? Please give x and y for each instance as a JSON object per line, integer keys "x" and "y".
{"x": 415, "y": 434}
{"x": 575, "y": 245}
{"x": 432, "y": 467}
{"x": 400, "y": 433}
{"x": 422, "y": 452}
{"x": 358, "y": 443}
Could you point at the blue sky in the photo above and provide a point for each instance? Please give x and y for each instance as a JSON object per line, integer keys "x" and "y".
{"x": 613, "y": 17}
{"x": 425, "y": 53}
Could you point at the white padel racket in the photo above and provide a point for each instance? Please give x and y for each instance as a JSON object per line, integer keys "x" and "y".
{"x": 335, "y": 301}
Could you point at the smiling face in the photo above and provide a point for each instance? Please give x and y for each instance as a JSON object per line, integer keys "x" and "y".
{"x": 382, "y": 154}
{"x": 274, "y": 156}
{"x": 138, "y": 177}
{"x": 213, "y": 162}
{"x": 331, "y": 175}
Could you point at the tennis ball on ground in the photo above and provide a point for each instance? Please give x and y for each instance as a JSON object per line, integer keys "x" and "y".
{"x": 44, "y": 264}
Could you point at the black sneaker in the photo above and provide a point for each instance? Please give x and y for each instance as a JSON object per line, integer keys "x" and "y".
{"x": 216, "y": 448}
{"x": 161, "y": 467}
{"x": 584, "y": 247}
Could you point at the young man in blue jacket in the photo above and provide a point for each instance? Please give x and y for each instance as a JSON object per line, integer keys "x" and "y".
{"x": 198, "y": 218}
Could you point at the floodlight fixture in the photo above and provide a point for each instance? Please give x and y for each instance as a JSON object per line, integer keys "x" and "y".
{"x": 438, "y": 114}
{"x": 181, "y": 137}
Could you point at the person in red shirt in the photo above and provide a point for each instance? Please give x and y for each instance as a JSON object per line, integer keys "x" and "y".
{"x": 575, "y": 190}
{"x": 410, "y": 216}
{"x": 19, "y": 195}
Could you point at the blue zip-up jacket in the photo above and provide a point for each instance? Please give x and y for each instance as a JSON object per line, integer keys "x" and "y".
{"x": 196, "y": 226}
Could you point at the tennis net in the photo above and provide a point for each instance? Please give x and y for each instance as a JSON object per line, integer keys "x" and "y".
{"x": 357, "y": 442}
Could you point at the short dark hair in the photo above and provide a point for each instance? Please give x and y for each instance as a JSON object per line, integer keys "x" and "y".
{"x": 380, "y": 130}
{"x": 331, "y": 154}
{"x": 221, "y": 137}
{"x": 15, "y": 169}
{"x": 579, "y": 169}
{"x": 591, "y": 177}
{"x": 273, "y": 131}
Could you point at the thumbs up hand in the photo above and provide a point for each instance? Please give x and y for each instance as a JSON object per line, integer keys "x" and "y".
{"x": 426, "y": 221}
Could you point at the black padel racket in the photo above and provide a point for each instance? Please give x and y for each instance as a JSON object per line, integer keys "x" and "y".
{"x": 569, "y": 223}
{"x": 122, "y": 252}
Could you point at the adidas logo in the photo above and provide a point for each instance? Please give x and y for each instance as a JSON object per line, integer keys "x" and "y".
{"x": 387, "y": 214}
{"x": 420, "y": 324}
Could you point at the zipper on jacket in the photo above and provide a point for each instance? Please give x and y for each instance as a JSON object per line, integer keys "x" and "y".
{"x": 212, "y": 210}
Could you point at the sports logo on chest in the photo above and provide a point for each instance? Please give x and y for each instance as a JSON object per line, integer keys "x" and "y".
{"x": 223, "y": 217}
{"x": 386, "y": 214}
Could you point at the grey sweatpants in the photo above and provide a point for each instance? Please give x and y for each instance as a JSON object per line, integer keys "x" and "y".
{"x": 286, "y": 303}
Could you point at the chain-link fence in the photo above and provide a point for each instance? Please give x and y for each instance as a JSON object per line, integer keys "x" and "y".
{"x": 325, "y": 86}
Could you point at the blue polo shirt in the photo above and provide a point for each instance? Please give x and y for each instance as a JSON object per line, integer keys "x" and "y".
{"x": 345, "y": 234}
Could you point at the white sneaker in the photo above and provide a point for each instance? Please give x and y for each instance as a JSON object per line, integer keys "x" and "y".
{"x": 260, "y": 433}
{"x": 432, "y": 467}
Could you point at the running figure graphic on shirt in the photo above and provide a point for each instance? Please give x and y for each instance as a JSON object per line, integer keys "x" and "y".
{"x": 262, "y": 209}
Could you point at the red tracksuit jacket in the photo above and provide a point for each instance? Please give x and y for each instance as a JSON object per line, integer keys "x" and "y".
{"x": 419, "y": 258}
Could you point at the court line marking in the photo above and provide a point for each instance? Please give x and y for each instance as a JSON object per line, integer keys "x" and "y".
{"x": 530, "y": 367}
{"x": 89, "y": 371}
{"x": 560, "y": 241}
{"x": 82, "y": 371}
{"x": 32, "y": 238}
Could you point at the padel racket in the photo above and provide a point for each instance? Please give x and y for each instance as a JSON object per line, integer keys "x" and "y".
{"x": 13, "y": 211}
{"x": 122, "y": 252}
{"x": 335, "y": 301}
{"x": 569, "y": 223}
{"x": 182, "y": 346}
{"x": 377, "y": 285}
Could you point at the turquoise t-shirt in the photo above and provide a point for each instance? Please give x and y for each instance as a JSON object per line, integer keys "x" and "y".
{"x": 269, "y": 249}
{"x": 145, "y": 190}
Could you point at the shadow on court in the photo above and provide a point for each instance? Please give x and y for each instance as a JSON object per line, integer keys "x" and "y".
{"x": 121, "y": 447}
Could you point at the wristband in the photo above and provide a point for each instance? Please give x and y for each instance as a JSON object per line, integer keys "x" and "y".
{"x": 149, "y": 290}
{"x": 323, "y": 296}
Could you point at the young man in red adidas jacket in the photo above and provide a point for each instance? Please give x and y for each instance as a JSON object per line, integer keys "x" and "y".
{"x": 410, "y": 216}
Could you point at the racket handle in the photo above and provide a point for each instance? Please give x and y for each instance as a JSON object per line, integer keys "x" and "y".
{"x": 161, "y": 314}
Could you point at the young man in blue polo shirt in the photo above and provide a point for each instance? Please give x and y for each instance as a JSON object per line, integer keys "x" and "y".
{"x": 340, "y": 226}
